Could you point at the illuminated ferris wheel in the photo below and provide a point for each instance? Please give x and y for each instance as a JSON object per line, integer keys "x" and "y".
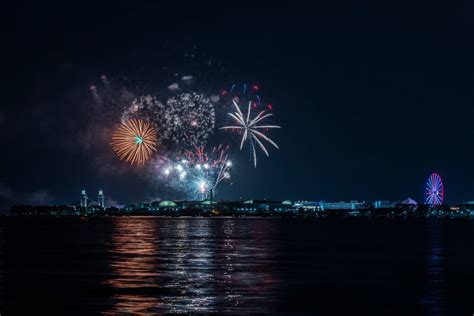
{"x": 434, "y": 190}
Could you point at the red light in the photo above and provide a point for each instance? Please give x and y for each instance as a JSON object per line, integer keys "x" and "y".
{"x": 254, "y": 105}
{"x": 224, "y": 92}
{"x": 270, "y": 107}
{"x": 255, "y": 87}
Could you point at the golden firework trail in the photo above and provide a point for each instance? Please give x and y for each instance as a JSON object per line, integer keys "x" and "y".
{"x": 134, "y": 141}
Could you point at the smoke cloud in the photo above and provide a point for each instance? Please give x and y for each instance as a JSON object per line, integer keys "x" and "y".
{"x": 173, "y": 87}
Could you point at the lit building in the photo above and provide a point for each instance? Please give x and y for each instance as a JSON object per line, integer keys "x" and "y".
{"x": 264, "y": 206}
{"x": 307, "y": 205}
{"x": 352, "y": 205}
{"x": 382, "y": 204}
{"x": 101, "y": 198}
{"x": 83, "y": 198}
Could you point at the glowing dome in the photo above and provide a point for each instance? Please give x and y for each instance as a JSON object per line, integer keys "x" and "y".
{"x": 167, "y": 204}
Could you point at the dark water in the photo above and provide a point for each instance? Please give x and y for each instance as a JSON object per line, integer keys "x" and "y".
{"x": 159, "y": 265}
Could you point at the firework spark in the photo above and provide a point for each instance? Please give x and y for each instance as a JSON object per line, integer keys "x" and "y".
{"x": 243, "y": 93}
{"x": 251, "y": 129}
{"x": 200, "y": 172}
{"x": 134, "y": 141}
{"x": 184, "y": 120}
{"x": 188, "y": 118}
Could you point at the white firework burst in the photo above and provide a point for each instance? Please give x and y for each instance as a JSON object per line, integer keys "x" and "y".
{"x": 250, "y": 129}
{"x": 184, "y": 120}
{"x": 188, "y": 118}
{"x": 197, "y": 174}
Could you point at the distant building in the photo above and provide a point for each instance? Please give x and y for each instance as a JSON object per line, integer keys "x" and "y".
{"x": 382, "y": 204}
{"x": 101, "y": 198}
{"x": 352, "y": 205}
{"x": 264, "y": 206}
{"x": 93, "y": 205}
{"x": 167, "y": 205}
{"x": 406, "y": 202}
{"x": 83, "y": 198}
{"x": 307, "y": 205}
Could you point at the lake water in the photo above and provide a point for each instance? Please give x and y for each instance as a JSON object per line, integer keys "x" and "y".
{"x": 132, "y": 265}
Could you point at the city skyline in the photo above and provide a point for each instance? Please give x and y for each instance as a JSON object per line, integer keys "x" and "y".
{"x": 434, "y": 196}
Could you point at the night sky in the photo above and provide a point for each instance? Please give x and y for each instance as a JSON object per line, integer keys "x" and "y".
{"x": 372, "y": 98}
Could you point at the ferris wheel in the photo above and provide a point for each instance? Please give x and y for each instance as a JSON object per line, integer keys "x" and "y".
{"x": 434, "y": 190}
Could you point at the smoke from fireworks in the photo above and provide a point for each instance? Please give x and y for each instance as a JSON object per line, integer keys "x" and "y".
{"x": 134, "y": 141}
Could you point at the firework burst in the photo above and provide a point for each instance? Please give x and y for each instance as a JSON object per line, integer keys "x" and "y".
{"x": 184, "y": 120}
{"x": 198, "y": 173}
{"x": 242, "y": 94}
{"x": 134, "y": 141}
{"x": 188, "y": 119}
{"x": 251, "y": 130}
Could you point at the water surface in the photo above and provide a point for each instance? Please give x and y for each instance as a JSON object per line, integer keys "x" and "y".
{"x": 218, "y": 265}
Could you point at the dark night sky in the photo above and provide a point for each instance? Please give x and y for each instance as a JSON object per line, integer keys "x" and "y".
{"x": 372, "y": 98}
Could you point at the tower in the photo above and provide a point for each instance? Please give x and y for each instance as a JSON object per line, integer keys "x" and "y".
{"x": 101, "y": 198}
{"x": 83, "y": 198}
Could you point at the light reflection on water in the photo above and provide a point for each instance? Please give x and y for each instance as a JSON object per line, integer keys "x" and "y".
{"x": 189, "y": 265}
{"x": 132, "y": 252}
{"x": 132, "y": 265}
{"x": 433, "y": 300}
